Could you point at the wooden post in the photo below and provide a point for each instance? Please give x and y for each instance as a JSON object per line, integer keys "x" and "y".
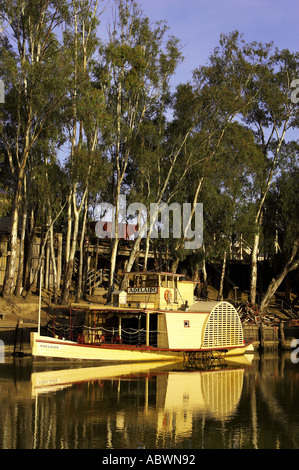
{"x": 119, "y": 329}
{"x": 281, "y": 336}
{"x": 39, "y": 298}
{"x": 18, "y": 338}
{"x": 139, "y": 328}
{"x": 262, "y": 336}
{"x": 147, "y": 328}
{"x": 70, "y": 334}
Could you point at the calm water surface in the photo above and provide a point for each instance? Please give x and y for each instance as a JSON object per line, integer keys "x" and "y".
{"x": 162, "y": 406}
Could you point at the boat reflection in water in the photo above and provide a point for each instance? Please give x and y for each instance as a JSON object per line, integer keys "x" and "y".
{"x": 51, "y": 381}
{"x": 167, "y": 398}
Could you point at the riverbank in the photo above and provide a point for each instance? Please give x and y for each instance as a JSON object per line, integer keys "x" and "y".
{"x": 19, "y": 317}
{"x": 26, "y": 310}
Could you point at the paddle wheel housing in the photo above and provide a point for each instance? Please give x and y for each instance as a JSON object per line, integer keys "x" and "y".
{"x": 223, "y": 327}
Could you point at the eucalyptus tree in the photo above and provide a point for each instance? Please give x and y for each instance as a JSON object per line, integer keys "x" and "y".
{"x": 137, "y": 67}
{"x": 6, "y": 184}
{"x": 161, "y": 171}
{"x": 272, "y": 117}
{"x": 220, "y": 91}
{"x": 203, "y": 111}
{"x": 282, "y": 212}
{"x": 34, "y": 70}
{"x": 47, "y": 196}
{"x": 82, "y": 120}
{"x": 226, "y": 195}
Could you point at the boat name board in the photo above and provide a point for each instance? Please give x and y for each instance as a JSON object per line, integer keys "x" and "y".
{"x": 142, "y": 290}
{"x": 49, "y": 346}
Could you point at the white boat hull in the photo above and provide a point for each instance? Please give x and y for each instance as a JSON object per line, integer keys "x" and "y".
{"x": 43, "y": 346}
{"x": 46, "y": 347}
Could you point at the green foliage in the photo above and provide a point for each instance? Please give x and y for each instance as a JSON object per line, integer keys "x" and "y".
{"x": 283, "y": 209}
{"x": 219, "y": 139}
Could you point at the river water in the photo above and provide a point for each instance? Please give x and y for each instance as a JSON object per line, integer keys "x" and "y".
{"x": 227, "y": 405}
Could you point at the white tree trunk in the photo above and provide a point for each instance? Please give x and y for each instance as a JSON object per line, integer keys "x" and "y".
{"x": 54, "y": 265}
{"x": 70, "y": 264}
{"x": 114, "y": 247}
{"x": 204, "y": 272}
{"x": 80, "y": 269}
{"x": 254, "y": 260}
{"x": 19, "y": 283}
{"x": 9, "y": 280}
{"x": 291, "y": 265}
{"x": 220, "y": 293}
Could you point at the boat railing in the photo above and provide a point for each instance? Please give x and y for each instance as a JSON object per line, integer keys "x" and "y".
{"x": 128, "y": 336}
{"x": 102, "y": 335}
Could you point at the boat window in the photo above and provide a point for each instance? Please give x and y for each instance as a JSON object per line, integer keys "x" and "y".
{"x": 151, "y": 281}
{"x": 131, "y": 282}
